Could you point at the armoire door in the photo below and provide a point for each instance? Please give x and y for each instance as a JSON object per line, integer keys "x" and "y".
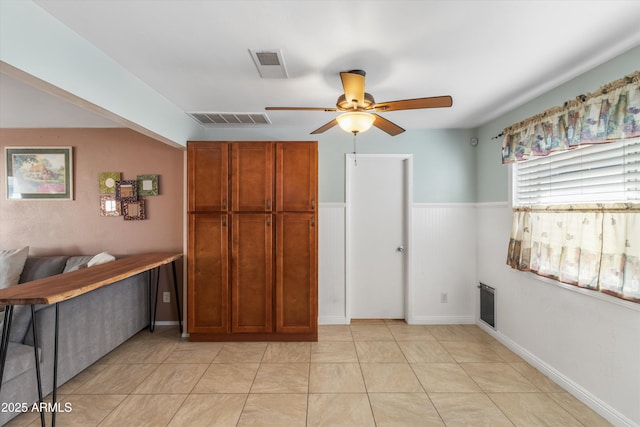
{"x": 296, "y": 273}
{"x": 208, "y": 273}
{"x": 252, "y": 176}
{"x": 252, "y": 273}
{"x": 208, "y": 176}
{"x": 296, "y": 176}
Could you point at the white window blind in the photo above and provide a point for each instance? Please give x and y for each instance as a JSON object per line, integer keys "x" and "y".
{"x": 598, "y": 173}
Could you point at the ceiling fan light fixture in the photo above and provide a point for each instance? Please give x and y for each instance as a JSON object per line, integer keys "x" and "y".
{"x": 356, "y": 121}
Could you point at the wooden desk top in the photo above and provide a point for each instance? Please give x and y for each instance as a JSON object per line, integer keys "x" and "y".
{"x": 60, "y": 287}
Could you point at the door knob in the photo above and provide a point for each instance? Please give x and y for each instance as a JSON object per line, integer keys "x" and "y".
{"x": 400, "y": 248}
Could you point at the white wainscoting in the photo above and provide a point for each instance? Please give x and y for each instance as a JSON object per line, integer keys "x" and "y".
{"x": 331, "y": 264}
{"x": 443, "y": 261}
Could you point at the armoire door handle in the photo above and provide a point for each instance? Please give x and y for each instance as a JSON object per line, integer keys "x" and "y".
{"x": 269, "y": 204}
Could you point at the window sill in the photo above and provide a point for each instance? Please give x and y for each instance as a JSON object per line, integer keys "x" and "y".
{"x": 588, "y": 292}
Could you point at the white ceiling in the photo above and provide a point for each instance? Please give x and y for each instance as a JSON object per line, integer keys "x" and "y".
{"x": 491, "y": 56}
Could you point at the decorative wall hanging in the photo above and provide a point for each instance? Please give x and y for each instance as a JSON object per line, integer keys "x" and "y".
{"x": 127, "y": 190}
{"x": 109, "y": 206}
{"x": 39, "y": 173}
{"x": 108, "y": 182}
{"x": 133, "y": 210}
{"x": 147, "y": 185}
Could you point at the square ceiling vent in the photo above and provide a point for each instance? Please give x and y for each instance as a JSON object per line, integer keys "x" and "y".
{"x": 223, "y": 119}
{"x": 270, "y": 63}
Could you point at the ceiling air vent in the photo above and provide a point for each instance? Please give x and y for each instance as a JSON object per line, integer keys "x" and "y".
{"x": 214, "y": 119}
{"x": 270, "y": 63}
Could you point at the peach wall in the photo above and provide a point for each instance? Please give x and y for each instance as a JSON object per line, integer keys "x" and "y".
{"x": 76, "y": 227}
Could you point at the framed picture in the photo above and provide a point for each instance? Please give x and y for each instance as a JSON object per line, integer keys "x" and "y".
{"x": 127, "y": 190}
{"x": 107, "y": 182}
{"x": 147, "y": 185}
{"x": 109, "y": 206}
{"x": 39, "y": 173}
{"x": 133, "y": 210}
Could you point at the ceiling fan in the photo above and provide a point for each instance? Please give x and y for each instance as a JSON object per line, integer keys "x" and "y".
{"x": 359, "y": 108}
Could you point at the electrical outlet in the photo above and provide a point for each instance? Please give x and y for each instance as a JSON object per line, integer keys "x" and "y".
{"x": 166, "y": 297}
{"x": 444, "y": 298}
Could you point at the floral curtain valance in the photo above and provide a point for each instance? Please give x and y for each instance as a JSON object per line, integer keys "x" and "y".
{"x": 591, "y": 246}
{"x": 611, "y": 113}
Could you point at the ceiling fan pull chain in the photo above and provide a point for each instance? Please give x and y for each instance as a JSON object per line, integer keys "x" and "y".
{"x": 355, "y": 154}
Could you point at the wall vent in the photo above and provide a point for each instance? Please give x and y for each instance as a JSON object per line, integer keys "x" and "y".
{"x": 270, "y": 63}
{"x": 488, "y": 305}
{"x": 223, "y": 119}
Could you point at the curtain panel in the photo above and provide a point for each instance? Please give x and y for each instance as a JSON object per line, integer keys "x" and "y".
{"x": 591, "y": 246}
{"x": 611, "y": 113}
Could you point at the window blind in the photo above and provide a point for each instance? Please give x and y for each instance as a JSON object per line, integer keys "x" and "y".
{"x": 607, "y": 172}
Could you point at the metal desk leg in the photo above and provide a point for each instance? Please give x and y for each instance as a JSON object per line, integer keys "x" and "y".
{"x": 36, "y": 345}
{"x": 4, "y": 344}
{"x": 154, "y": 300}
{"x": 55, "y": 367}
{"x": 154, "y": 273}
{"x": 175, "y": 287}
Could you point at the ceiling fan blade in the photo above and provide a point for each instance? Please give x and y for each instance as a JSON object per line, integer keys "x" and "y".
{"x": 300, "y": 109}
{"x": 353, "y": 84}
{"x": 387, "y": 126}
{"x": 412, "y": 104}
{"x": 325, "y": 127}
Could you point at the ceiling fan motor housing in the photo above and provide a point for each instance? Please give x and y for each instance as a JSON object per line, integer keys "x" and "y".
{"x": 343, "y": 105}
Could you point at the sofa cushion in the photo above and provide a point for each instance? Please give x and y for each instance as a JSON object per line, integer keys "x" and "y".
{"x": 38, "y": 267}
{"x": 20, "y": 359}
{"x": 77, "y": 262}
{"x": 11, "y": 266}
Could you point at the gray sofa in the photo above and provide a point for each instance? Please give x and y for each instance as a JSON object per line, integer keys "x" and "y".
{"x": 91, "y": 325}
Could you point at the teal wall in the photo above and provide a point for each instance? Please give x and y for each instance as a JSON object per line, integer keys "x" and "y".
{"x": 492, "y": 182}
{"x": 444, "y": 162}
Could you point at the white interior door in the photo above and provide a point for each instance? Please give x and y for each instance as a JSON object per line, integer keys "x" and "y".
{"x": 377, "y": 236}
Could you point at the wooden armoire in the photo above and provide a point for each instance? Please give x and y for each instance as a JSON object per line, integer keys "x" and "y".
{"x": 252, "y": 260}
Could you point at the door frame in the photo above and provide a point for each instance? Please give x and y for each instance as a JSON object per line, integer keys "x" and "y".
{"x": 350, "y": 158}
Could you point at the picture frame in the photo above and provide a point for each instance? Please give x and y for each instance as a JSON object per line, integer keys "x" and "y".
{"x": 39, "y": 173}
{"x": 147, "y": 185}
{"x": 133, "y": 210}
{"x": 109, "y": 206}
{"x": 127, "y": 190}
{"x": 107, "y": 182}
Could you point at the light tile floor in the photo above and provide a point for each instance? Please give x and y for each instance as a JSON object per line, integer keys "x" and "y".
{"x": 371, "y": 373}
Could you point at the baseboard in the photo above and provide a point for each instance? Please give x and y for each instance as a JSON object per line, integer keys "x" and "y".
{"x": 580, "y": 393}
{"x": 166, "y": 322}
{"x": 332, "y": 320}
{"x": 441, "y": 320}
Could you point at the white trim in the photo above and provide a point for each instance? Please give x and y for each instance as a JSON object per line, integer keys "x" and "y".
{"x": 185, "y": 242}
{"x": 445, "y": 205}
{"x": 332, "y": 205}
{"x": 166, "y": 322}
{"x": 332, "y": 320}
{"x": 408, "y": 183}
{"x": 506, "y": 204}
{"x": 442, "y": 320}
{"x": 579, "y": 392}
{"x": 430, "y": 204}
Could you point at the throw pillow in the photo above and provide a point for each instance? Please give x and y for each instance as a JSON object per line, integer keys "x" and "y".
{"x": 101, "y": 258}
{"x": 11, "y": 265}
{"x": 77, "y": 262}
